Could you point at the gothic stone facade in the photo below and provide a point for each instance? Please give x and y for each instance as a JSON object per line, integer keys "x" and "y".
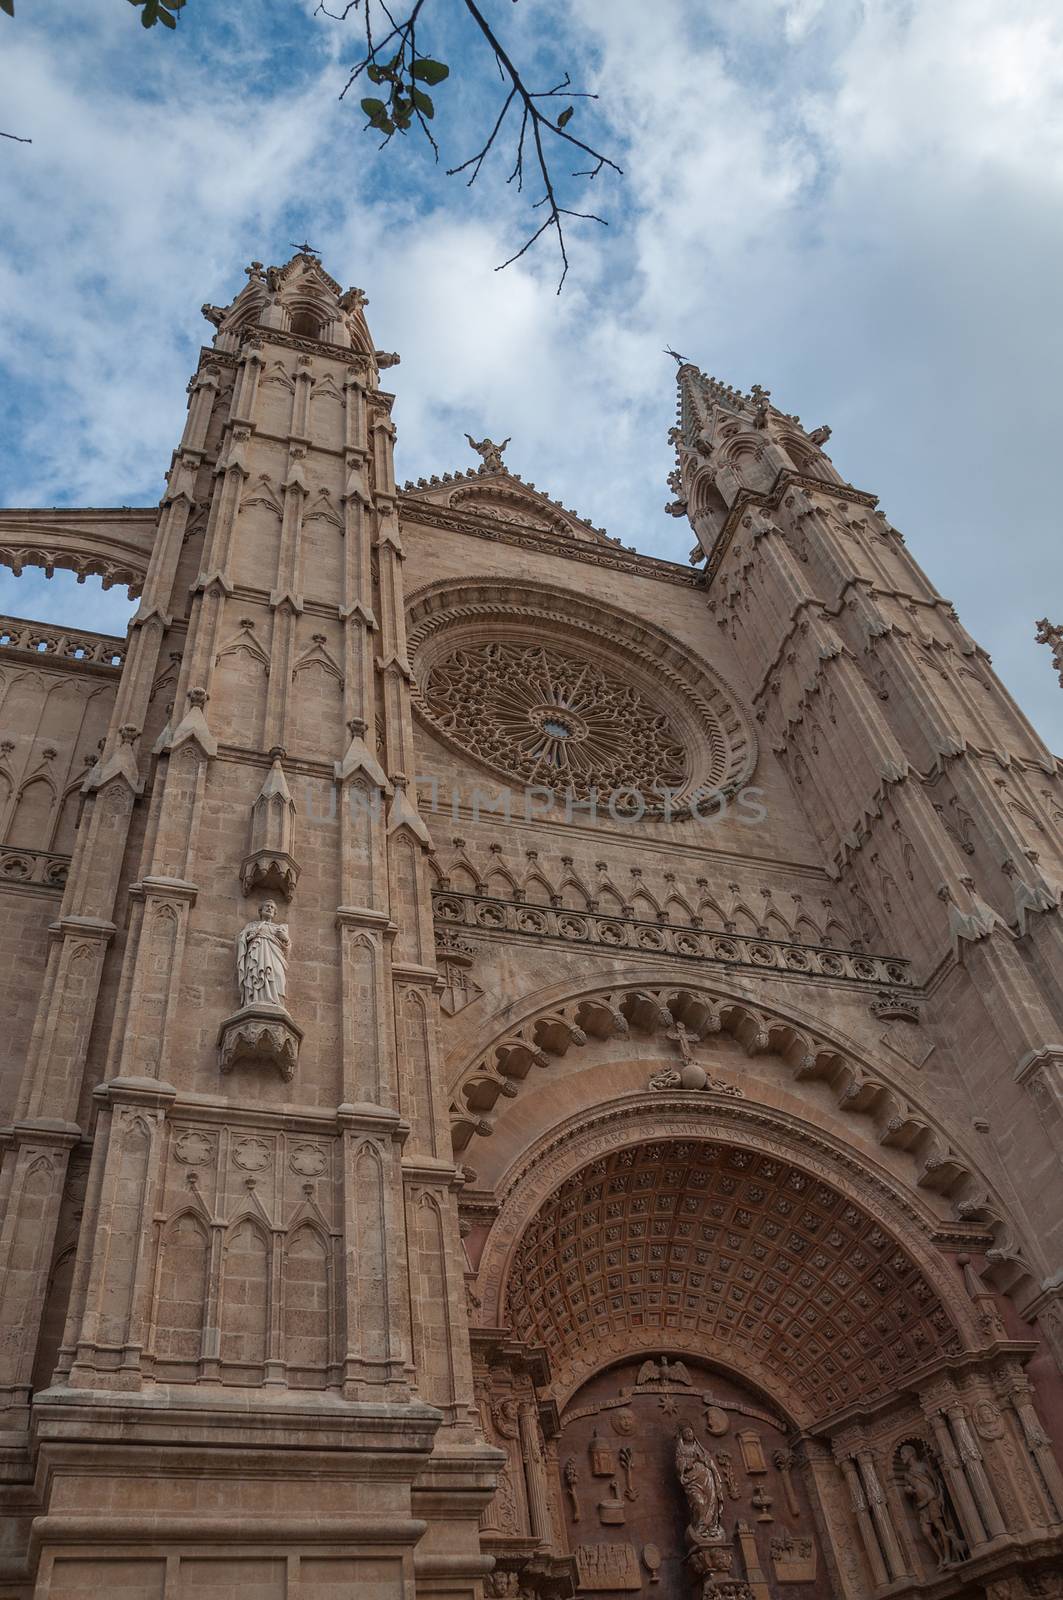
{"x": 528, "y": 1069}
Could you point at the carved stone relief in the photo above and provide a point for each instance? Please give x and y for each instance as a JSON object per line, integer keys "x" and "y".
{"x": 695, "y": 1522}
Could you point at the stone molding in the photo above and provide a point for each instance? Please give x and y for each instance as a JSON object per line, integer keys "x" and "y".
{"x": 898, "y": 1121}
{"x": 555, "y": 544}
{"x": 521, "y": 919}
{"x": 479, "y": 609}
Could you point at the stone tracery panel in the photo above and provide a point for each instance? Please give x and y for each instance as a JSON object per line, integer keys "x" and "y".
{"x": 733, "y": 1248}
{"x": 553, "y": 718}
{"x": 543, "y": 688}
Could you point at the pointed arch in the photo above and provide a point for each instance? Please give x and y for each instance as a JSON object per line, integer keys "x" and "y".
{"x": 64, "y": 829}
{"x": 31, "y": 821}
{"x": 181, "y": 1288}
{"x": 245, "y": 1307}
{"x": 307, "y": 1316}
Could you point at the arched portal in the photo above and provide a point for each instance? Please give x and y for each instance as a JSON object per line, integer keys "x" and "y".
{"x": 728, "y": 1360}
{"x": 739, "y": 1256}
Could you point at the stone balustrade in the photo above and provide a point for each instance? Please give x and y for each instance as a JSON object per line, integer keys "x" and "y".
{"x": 37, "y": 868}
{"x": 662, "y": 938}
{"x": 68, "y": 644}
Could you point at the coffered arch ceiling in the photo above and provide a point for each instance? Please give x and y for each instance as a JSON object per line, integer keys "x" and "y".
{"x": 740, "y": 1256}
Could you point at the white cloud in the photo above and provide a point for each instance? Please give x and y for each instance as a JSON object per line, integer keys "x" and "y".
{"x": 856, "y": 205}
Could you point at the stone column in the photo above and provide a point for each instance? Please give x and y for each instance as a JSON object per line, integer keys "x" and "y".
{"x": 971, "y": 1457}
{"x": 535, "y": 1472}
{"x": 973, "y": 1529}
{"x": 864, "y": 1521}
{"x": 1040, "y": 1447}
{"x": 876, "y": 1499}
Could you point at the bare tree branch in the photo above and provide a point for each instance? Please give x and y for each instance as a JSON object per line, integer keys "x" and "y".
{"x": 395, "y": 62}
{"x": 16, "y": 138}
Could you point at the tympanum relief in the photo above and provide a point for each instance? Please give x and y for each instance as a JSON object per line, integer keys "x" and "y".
{"x": 682, "y": 1478}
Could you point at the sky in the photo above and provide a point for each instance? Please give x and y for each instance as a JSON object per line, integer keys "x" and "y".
{"x": 857, "y": 205}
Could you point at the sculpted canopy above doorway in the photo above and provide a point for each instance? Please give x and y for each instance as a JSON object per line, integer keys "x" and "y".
{"x": 542, "y": 687}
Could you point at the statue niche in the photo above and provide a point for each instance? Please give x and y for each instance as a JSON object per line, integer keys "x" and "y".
{"x": 926, "y": 1493}
{"x": 262, "y": 1031}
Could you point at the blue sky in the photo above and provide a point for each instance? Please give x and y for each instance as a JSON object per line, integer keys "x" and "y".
{"x": 856, "y": 205}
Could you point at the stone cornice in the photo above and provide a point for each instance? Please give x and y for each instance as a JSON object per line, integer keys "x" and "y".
{"x": 572, "y": 549}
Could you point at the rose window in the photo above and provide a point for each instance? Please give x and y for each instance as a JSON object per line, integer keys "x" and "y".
{"x": 548, "y": 690}
{"x": 556, "y": 720}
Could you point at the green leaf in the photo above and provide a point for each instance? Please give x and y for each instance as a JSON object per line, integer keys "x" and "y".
{"x": 374, "y": 73}
{"x": 423, "y": 103}
{"x": 566, "y": 116}
{"x": 156, "y": 11}
{"x": 429, "y": 71}
{"x": 8, "y": 6}
{"x": 374, "y": 108}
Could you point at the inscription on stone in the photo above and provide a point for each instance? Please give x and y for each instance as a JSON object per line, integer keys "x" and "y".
{"x": 608, "y": 1566}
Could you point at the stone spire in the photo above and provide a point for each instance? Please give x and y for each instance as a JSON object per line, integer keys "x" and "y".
{"x": 300, "y": 299}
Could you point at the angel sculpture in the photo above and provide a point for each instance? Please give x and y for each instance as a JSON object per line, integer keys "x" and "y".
{"x": 490, "y": 452}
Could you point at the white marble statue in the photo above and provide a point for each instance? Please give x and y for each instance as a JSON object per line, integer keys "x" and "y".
{"x": 262, "y": 959}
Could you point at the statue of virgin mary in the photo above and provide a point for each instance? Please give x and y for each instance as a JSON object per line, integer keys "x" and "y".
{"x": 702, "y": 1485}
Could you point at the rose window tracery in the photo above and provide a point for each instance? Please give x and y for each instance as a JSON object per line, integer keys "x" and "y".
{"x": 549, "y": 690}
{"x": 556, "y": 719}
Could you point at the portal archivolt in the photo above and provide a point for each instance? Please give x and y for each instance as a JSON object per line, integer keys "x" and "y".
{"x": 909, "y": 1136}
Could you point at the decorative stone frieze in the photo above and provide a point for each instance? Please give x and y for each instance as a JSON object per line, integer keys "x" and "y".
{"x": 620, "y": 933}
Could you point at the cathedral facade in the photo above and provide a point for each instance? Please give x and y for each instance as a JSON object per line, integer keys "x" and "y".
{"x": 528, "y": 1069}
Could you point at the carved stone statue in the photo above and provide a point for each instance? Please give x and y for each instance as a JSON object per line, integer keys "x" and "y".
{"x": 262, "y": 959}
{"x": 571, "y": 1476}
{"x": 921, "y": 1485}
{"x": 702, "y": 1485}
{"x": 491, "y": 452}
{"x": 665, "y": 1372}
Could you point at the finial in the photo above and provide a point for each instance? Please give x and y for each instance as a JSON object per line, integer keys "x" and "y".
{"x": 682, "y": 360}
{"x": 1051, "y": 633}
{"x": 304, "y": 249}
{"x": 490, "y": 454}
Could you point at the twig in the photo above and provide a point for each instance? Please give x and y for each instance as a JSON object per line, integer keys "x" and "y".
{"x": 402, "y": 36}
{"x": 15, "y": 138}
